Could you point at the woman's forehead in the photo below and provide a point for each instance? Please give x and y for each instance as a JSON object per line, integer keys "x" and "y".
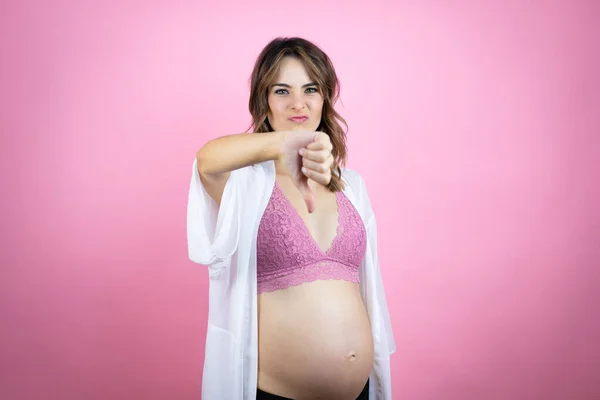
{"x": 292, "y": 71}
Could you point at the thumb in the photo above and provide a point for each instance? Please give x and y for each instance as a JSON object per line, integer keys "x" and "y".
{"x": 309, "y": 196}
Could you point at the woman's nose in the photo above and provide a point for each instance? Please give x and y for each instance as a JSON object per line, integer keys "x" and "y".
{"x": 297, "y": 102}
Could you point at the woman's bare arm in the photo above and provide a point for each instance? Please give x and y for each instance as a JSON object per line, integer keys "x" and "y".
{"x": 218, "y": 157}
{"x": 302, "y": 155}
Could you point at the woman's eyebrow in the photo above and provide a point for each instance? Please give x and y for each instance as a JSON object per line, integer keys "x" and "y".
{"x": 288, "y": 86}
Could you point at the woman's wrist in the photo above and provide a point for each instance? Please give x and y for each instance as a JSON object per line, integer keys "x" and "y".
{"x": 276, "y": 145}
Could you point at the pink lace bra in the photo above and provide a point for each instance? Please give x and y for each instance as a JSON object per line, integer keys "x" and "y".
{"x": 287, "y": 254}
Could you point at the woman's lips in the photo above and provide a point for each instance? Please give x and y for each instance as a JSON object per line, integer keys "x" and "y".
{"x": 298, "y": 119}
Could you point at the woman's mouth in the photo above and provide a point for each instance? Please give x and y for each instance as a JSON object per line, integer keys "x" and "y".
{"x": 299, "y": 119}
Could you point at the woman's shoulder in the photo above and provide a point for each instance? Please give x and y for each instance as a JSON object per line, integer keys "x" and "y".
{"x": 352, "y": 178}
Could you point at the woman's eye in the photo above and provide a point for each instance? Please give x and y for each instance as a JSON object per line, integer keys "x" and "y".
{"x": 285, "y": 91}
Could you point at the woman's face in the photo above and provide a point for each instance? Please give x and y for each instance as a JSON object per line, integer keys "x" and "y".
{"x": 294, "y": 99}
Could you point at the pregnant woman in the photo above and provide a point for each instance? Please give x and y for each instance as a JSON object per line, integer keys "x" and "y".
{"x": 297, "y": 308}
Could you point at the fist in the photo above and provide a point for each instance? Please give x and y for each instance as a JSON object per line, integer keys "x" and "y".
{"x": 317, "y": 159}
{"x": 307, "y": 155}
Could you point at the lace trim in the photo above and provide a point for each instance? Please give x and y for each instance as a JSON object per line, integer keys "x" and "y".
{"x": 322, "y": 270}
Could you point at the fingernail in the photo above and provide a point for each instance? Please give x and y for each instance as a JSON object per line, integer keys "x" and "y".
{"x": 304, "y": 169}
{"x": 301, "y": 151}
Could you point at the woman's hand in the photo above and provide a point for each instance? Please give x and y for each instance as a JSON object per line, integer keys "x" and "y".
{"x": 307, "y": 155}
{"x": 317, "y": 159}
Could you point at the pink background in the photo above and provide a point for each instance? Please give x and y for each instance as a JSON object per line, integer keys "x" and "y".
{"x": 474, "y": 124}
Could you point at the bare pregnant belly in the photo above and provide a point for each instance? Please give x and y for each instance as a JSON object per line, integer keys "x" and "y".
{"x": 314, "y": 341}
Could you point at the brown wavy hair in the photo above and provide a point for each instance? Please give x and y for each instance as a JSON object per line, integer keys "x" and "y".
{"x": 320, "y": 69}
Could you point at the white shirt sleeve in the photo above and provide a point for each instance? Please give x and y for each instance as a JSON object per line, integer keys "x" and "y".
{"x": 213, "y": 232}
{"x": 387, "y": 323}
{"x": 371, "y": 229}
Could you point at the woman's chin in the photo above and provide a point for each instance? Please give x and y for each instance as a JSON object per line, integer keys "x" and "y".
{"x": 302, "y": 127}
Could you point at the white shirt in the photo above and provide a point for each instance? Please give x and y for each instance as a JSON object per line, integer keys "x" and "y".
{"x": 224, "y": 239}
